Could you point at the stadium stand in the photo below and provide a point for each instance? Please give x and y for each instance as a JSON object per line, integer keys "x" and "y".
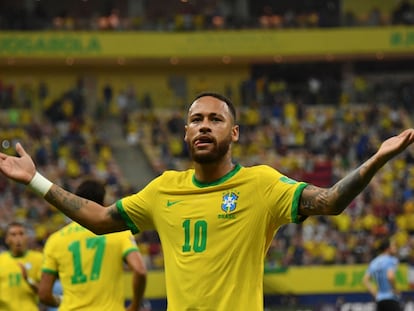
{"x": 201, "y": 15}
{"x": 311, "y": 121}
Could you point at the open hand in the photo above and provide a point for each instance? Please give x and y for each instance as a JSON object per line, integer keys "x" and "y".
{"x": 396, "y": 144}
{"x": 20, "y": 169}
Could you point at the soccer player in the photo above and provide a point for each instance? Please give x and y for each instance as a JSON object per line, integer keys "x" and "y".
{"x": 19, "y": 271}
{"x": 90, "y": 267}
{"x": 217, "y": 219}
{"x": 380, "y": 277}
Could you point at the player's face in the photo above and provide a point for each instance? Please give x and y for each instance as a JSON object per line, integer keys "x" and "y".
{"x": 16, "y": 239}
{"x": 210, "y": 130}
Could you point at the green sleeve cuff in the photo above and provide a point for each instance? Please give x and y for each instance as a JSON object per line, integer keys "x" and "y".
{"x": 50, "y": 271}
{"x": 296, "y": 218}
{"x": 126, "y": 218}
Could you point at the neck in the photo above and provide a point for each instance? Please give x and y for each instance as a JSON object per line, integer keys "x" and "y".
{"x": 17, "y": 254}
{"x": 212, "y": 171}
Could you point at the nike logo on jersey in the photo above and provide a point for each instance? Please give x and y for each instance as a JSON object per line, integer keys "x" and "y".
{"x": 171, "y": 203}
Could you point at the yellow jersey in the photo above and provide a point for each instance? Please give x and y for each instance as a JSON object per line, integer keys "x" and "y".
{"x": 15, "y": 293}
{"x": 215, "y": 236}
{"x": 90, "y": 267}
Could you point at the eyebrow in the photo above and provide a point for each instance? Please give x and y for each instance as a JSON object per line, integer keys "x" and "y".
{"x": 211, "y": 114}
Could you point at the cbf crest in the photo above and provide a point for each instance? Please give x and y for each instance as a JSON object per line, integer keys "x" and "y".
{"x": 229, "y": 201}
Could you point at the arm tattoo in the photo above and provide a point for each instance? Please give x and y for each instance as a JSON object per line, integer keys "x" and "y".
{"x": 332, "y": 201}
{"x": 115, "y": 215}
{"x": 315, "y": 199}
{"x": 84, "y": 211}
{"x": 65, "y": 201}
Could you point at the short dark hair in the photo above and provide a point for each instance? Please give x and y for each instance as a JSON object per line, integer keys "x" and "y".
{"x": 383, "y": 245}
{"x": 13, "y": 224}
{"x": 92, "y": 189}
{"x": 220, "y": 97}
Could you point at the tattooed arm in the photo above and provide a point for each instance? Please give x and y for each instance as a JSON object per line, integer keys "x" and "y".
{"x": 91, "y": 215}
{"x": 332, "y": 201}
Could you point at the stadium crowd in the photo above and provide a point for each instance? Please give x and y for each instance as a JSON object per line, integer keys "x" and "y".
{"x": 302, "y": 138}
{"x": 196, "y": 15}
{"x": 313, "y": 131}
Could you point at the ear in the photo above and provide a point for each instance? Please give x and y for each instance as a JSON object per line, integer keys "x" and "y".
{"x": 235, "y": 133}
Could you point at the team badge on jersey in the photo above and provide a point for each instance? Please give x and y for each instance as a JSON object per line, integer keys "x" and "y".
{"x": 229, "y": 202}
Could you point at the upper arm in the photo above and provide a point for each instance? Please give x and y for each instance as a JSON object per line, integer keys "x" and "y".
{"x": 136, "y": 262}
{"x": 45, "y": 287}
{"x": 89, "y": 214}
{"x": 315, "y": 201}
{"x": 110, "y": 220}
{"x": 115, "y": 219}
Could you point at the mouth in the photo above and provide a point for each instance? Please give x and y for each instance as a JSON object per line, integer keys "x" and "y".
{"x": 203, "y": 141}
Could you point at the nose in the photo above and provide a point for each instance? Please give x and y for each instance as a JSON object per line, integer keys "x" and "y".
{"x": 205, "y": 128}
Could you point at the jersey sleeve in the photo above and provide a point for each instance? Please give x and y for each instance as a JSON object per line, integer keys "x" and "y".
{"x": 136, "y": 209}
{"x": 393, "y": 264}
{"x": 282, "y": 195}
{"x": 50, "y": 264}
{"x": 128, "y": 243}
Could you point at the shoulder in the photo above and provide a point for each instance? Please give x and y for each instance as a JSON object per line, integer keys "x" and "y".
{"x": 259, "y": 169}
{"x": 265, "y": 173}
{"x": 394, "y": 260}
{"x": 172, "y": 177}
{"x": 54, "y": 236}
{"x": 176, "y": 174}
{"x": 120, "y": 236}
{"x": 57, "y": 238}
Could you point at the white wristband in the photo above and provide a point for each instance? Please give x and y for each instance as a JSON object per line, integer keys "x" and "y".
{"x": 40, "y": 184}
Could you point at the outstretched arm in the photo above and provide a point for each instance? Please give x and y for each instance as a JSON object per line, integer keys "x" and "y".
{"x": 332, "y": 201}
{"x": 89, "y": 214}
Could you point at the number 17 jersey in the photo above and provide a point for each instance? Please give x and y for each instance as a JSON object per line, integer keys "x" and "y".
{"x": 90, "y": 267}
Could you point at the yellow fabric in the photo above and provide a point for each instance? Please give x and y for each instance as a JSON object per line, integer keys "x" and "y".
{"x": 15, "y": 293}
{"x": 90, "y": 267}
{"x": 218, "y": 233}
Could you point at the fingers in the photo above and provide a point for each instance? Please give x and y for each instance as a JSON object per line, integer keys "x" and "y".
{"x": 20, "y": 150}
{"x": 408, "y": 136}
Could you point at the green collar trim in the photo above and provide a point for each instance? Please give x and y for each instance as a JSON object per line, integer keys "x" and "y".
{"x": 221, "y": 180}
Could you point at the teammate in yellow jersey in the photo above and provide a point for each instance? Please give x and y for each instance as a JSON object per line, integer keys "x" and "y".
{"x": 19, "y": 271}
{"x": 215, "y": 221}
{"x": 91, "y": 267}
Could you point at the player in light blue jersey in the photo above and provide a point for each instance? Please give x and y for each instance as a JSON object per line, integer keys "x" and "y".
{"x": 380, "y": 277}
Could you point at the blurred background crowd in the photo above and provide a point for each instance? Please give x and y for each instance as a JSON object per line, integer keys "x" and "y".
{"x": 313, "y": 122}
{"x": 187, "y": 15}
